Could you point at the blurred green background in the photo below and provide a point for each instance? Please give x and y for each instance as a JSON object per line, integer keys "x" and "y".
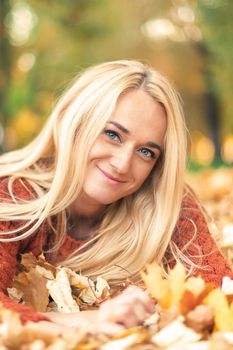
{"x": 43, "y": 44}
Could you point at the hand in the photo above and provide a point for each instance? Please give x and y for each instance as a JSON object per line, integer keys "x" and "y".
{"x": 129, "y": 309}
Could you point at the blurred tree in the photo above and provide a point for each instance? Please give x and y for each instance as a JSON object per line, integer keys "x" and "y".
{"x": 5, "y": 60}
{"x": 216, "y": 23}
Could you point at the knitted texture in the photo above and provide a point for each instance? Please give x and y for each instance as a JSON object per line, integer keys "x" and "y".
{"x": 191, "y": 236}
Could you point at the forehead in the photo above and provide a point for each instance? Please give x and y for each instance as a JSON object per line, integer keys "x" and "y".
{"x": 138, "y": 112}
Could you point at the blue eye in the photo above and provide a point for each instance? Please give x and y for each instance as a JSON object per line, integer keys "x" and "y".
{"x": 147, "y": 153}
{"x": 112, "y": 135}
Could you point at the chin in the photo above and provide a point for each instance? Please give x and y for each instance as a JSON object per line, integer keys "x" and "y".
{"x": 105, "y": 200}
{"x": 100, "y": 197}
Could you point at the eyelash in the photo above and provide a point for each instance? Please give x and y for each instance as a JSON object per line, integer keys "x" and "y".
{"x": 109, "y": 132}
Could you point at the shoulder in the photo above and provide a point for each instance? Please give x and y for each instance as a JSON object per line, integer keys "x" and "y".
{"x": 192, "y": 229}
{"x": 190, "y": 200}
{"x": 15, "y": 188}
{"x": 191, "y": 209}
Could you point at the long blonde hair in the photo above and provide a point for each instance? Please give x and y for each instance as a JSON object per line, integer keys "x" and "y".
{"x": 136, "y": 229}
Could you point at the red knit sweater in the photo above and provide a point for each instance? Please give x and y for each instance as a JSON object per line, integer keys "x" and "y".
{"x": 202, "y": 250}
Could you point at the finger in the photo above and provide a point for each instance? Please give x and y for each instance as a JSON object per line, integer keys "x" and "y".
{"x": 140, "y": 313}
{"x": 126, "y": 316}
{"x": 118, "y": 313}
{"x": 137, "y": 295}
{"x": 132, "y": 314}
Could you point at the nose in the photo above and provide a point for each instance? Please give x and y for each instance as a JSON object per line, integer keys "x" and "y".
{"x": 121, "y": 160}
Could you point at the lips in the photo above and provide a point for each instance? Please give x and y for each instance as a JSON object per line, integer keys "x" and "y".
{"x": 110, "y": 177}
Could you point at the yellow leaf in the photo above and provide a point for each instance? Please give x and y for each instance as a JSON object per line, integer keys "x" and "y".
{"x": 157, "y": 286}
{"x": 176, "y": 280}
{"x": 223, "y": 314}
{"x": 195, "y": 285}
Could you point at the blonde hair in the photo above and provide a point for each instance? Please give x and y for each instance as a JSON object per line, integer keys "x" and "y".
{"x": 136, "y": 229}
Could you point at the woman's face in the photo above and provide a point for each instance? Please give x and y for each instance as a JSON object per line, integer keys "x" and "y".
{"x": 125, "y": 152}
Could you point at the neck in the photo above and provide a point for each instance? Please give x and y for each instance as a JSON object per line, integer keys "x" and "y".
{"x": 84, "y": 218}
{"x": 84, "y": 207}
{"x": 83, "y": 227}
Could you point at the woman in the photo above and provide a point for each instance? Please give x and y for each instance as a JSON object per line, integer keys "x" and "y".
{"x": 101, "y": 190}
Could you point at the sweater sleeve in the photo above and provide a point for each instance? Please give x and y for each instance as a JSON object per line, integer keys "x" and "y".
{"x": 9, "y": 252}
{"x": 193, "y": 238}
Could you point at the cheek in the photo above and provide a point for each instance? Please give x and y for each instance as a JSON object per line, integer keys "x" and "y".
{"x": 96, "y": 150}
{"x": 141, "y": 174}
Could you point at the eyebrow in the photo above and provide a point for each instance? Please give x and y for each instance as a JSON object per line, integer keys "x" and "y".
{"x": 126, "y": 131}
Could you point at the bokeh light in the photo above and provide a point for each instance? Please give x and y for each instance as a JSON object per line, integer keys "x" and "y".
{"x": 20, "y": 23}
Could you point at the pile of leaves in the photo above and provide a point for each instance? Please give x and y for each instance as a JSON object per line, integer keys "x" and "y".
{"x": 45, "y": 287}
{"x": 190, "y": 314}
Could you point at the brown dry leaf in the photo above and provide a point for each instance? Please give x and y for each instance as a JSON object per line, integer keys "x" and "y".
{"x": 33, "y": 286}
{"x": 15, "y": 294}
{"x": 169, "y": 316}
{"x": 223, "y": 314}
{"x": 201, "y": 318}
{"x": 29, "y": 261}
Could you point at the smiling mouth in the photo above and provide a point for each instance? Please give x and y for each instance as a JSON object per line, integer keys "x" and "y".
{"x": 110, "y": 177}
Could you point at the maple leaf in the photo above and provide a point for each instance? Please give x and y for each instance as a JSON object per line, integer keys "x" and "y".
{"x": 176, "y": 281}
{"x": 157, "y": 286}
{"x": 33, "y": 286}
{"x": 166, "y": 291}
{"x": 223, "y": 314}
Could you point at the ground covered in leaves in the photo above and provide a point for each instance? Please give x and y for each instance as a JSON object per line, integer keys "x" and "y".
{"x": 191, "y": 314}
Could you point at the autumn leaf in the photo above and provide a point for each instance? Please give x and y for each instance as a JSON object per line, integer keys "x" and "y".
{"x": 175, "y": 334}
{"x": 201, "y": 318}
{"x": 166, "y": 291}
{"x": 29, "y": 261}
{"x": 193, "y": 297}
{"x": 36, "y": 336}
{"x": 176, "y": 281}
{"x": 157, "y": 286}
{"x": 60, "y": 291}
{"x": 195, "y": 285}
{"x": 223, "y": 314}
{"x": 187, "y": 302}
{"x": 33, "y": 286}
